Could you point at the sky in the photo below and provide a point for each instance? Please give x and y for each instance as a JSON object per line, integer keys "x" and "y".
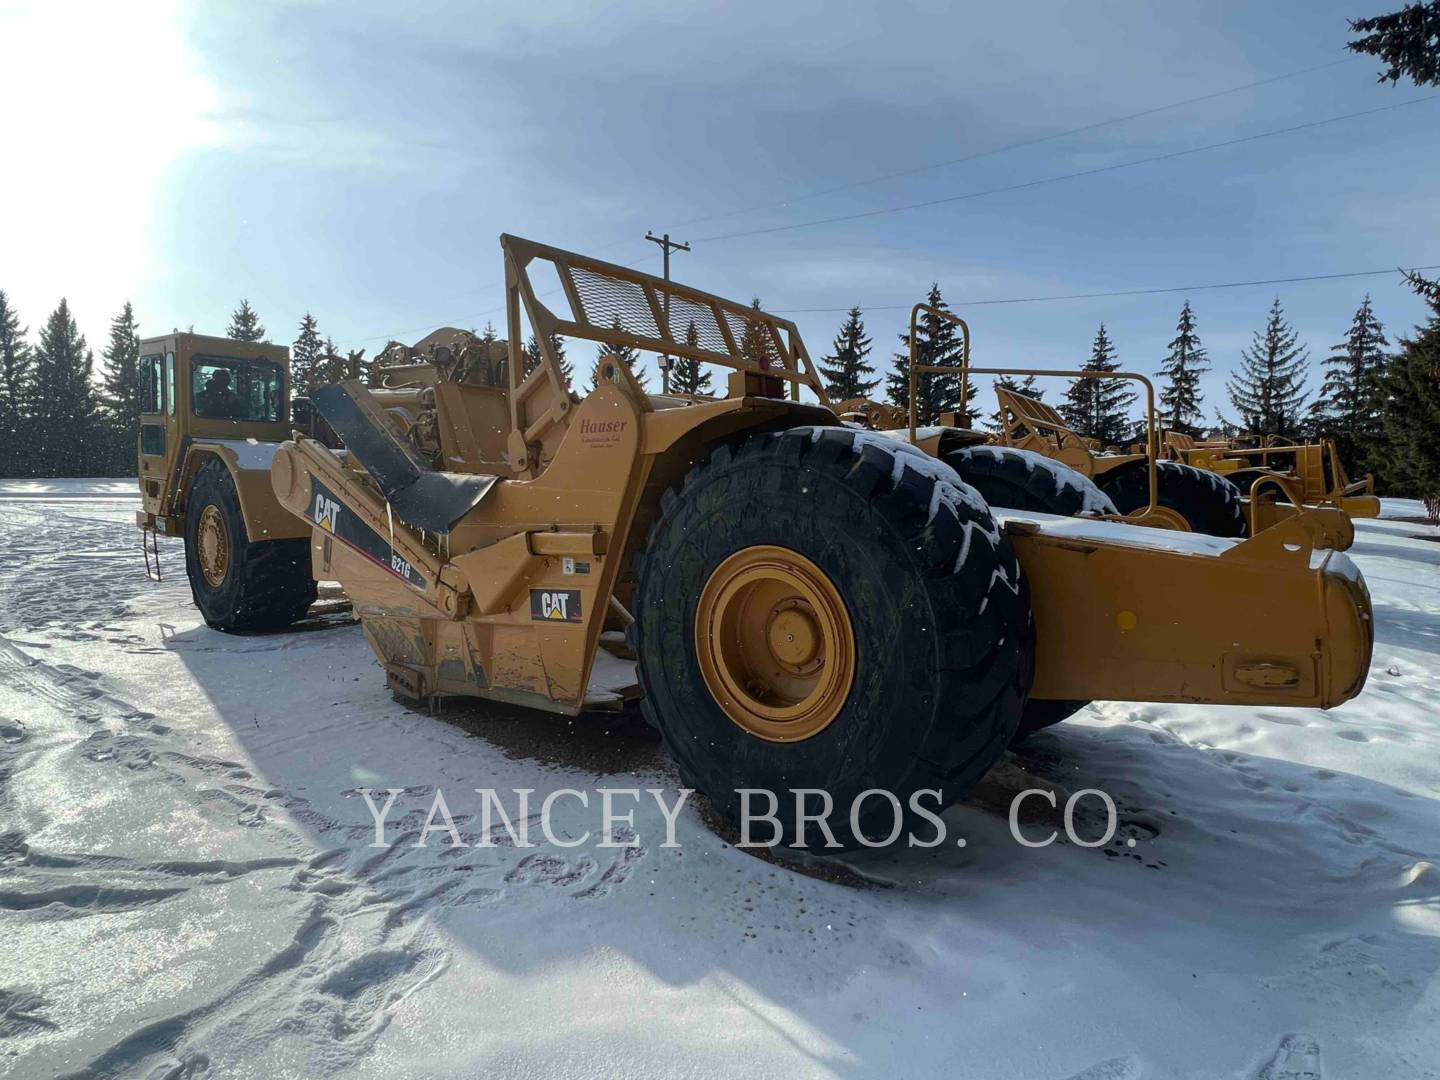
{"x": 359, "y": 161}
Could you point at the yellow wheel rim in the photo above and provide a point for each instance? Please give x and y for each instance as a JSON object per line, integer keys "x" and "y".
{"x": 213, "y": 544}
{"x": 775, "y": 644}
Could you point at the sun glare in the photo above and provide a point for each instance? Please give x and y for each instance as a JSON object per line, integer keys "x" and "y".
{"x": 104, "y": 98}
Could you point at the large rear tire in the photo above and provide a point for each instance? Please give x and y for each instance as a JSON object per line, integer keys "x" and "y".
{"x": 830, "y": 609}
{"x": 1207, "y": 501}
{"x": 238, "y": 585}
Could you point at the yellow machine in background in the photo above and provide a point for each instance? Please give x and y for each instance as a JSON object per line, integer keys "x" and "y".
{"x": 1214, "y": 487}
{"x": 213, "y": 411}
{"x": 1139, "y": 486}
{"x": 1281, "y": 476}
{"x": 1143, "y": 485}
{"x": 811, "y": 605}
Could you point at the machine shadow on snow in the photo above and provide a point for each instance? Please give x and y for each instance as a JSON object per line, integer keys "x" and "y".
{"x": 601, "y": 744}
{"x": 1408, "y": 628}
{"x": 1381, "y": 550}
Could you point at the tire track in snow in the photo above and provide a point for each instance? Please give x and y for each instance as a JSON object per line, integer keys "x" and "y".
{"x": 1298, "y": 1058}
{"x": 1121, "y": 1068}
{"x": 39, "y": 583}
{"x": 365, "y": 940}
{"x": 1311, "y": 803}
{"x": 344, "y": 1008}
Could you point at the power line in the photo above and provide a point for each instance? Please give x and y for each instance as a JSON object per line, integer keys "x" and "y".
{"x": 1066, "y": 176}
{"x": 1065, "y": 296}
{"x": 938, "y": 165}
{"x": 901, "y": 173}
{"x": 1019, "y": 187}
{"x": 917, "y": 170}
{"x": 1117, "y": 292}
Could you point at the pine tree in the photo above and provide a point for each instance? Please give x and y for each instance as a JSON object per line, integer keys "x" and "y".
{"x": 1024, "y": 386}
{"x": 66, "y": 420}
{"x": 938, "y": 344}
{"x": 1411, "y": 390}
{"x": 1349, "y": 403}
{"x": 1100, "y": 408}
{"x": 631, "y": 358}
{"x": 690, "y": 376}
{"x": 756, "y": 346}
{"x": 330, "y": 366}
{"x": 245, "y": 324}
{"x": 15, "y": 361}
{"x": 498, "y": 374}
{"x": 120, "y": 398}
{"x": 1407, "y": 40}
{"x": 1180, "y": 397}
{"x": 1224, "y": 427}
{"x": 557, "y": 344}
{"x": 1268, "y": 388}
{"x": 305, "y": 356}
{"x": 846, "y": 370}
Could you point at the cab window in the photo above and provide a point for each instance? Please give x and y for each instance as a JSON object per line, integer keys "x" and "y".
{"x": 170, "y": 383}
{"x": 225, "y": 389}
{"x": 152, "y": 398}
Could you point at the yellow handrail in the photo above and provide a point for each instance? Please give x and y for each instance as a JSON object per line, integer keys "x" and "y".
{"x": 1152, "y": 430}
{"x": 1287, "y": 488}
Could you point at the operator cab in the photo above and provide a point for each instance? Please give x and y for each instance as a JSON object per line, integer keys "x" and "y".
{"x": 199, "y": 388}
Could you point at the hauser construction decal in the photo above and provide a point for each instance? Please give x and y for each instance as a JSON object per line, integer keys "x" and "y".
{"x": 555, "y": 605}
{"x": 327, "y": 512}
{"x": 602, "y": 432}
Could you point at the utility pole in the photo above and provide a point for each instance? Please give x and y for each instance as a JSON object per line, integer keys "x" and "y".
{"x": 666, "y": 245}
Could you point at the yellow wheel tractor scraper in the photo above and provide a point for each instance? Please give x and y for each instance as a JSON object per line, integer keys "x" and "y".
{"x": 1280, "y": 477}
{"x": 810, "y": 606}
{"x": 1218, "y": 488}
{"x": 1185, "y": 497}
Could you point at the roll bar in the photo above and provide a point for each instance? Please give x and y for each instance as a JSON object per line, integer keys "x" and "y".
{"x": 1152, "y": 431}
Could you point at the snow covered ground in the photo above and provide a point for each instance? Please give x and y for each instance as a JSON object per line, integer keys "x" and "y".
{"x": 186, "y": 888}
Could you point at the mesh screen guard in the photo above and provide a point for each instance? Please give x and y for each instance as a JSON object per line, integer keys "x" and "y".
{"x": 604, "y": 302}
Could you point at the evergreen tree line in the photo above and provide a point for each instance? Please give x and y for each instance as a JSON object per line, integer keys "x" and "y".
{"x": 1382, "y": 406}
{"x": 55, "y": 418}
{"x": 58, "y": 419}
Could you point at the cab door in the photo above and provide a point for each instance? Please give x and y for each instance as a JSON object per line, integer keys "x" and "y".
{"x": 159, "y": 445}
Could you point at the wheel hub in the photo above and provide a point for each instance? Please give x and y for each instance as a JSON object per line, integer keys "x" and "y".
{"x": 774, "y": 643}
{"x": 213, "y": 546}
{"x": 794, "y": 636}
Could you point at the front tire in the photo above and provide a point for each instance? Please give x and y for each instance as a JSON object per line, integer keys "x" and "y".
{"x": 1206, "y": 500}
{"x": 867, "y": 618}
{"x": 240, "y": 586}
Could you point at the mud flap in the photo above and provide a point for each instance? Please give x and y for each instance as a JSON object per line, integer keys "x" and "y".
{"x": 419, "y": 496}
